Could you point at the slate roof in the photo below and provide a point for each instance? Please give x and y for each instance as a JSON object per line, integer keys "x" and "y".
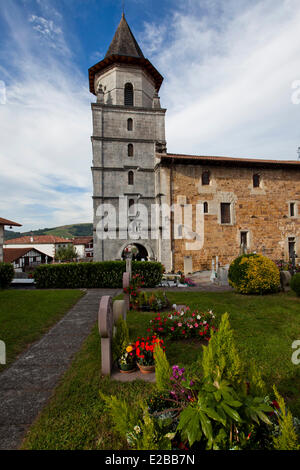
{"x": 124, "y": 49}
{"x": 124, "y": 42}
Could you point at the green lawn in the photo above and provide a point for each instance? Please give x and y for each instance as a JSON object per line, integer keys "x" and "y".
{"x": 265, "y": 328}
{"x": 25, "y": 315}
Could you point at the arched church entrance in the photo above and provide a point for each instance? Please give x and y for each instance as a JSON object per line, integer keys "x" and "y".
{"x": 140, "y": 255}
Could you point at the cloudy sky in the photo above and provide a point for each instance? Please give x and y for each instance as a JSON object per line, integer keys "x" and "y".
{"x": 232, "y": 84}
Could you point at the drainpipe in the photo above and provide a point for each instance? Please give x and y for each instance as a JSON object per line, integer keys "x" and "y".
{"x": 172, "y": 216}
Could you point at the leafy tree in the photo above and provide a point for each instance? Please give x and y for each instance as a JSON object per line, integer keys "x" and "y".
{"x": 66, "y": 254}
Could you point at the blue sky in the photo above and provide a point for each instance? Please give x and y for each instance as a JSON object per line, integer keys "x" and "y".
{"x": 229, "y": 68}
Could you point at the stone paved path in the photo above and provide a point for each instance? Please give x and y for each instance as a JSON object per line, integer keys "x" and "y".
{"x": 28, "y": 384}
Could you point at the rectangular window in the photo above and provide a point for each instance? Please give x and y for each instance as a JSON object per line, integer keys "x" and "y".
{"x": 292, "y": 246}
{"x": 225, "y": 213}
{"x": 292, "y": 209}
{"x": 244, "y": 236}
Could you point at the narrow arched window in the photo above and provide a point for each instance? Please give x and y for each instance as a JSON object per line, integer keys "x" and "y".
{"x": 128, "y": 94}
{"x": 131, "y": 204}
{"x": 129, "y": 124}
{"x": 205, "y": 207}
{"x": 205, "y": 178}
{"x": 256, "y": 181}
{"x": 130, "y": 177}
{"x": 130, "y": 150}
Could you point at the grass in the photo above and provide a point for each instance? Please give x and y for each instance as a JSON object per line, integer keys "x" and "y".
{"x": 26, "y": 315}
{"x": 265, "y": 328}
{"x": 75, "y": 418}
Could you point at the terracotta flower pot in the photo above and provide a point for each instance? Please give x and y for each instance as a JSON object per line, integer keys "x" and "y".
{"x": 146, "y": 369}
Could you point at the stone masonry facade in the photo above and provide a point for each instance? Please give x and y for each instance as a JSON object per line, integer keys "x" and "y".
{"x": 262, "y": 214}
{"x": 241, "y": 205}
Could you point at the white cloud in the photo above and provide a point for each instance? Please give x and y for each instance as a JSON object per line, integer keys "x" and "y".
{"x": 228, "y": 66}
{"x": 45, "y": 153}
{"x": 228, "y": 78}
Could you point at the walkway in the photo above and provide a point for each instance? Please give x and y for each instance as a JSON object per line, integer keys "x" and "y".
{"x": 28, "y": 384}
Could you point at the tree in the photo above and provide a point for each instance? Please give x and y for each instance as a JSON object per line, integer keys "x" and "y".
{"x": 66, "y": 253}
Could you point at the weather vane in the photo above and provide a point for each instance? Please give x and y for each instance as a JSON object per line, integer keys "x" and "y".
{"x": 123, "y": 6}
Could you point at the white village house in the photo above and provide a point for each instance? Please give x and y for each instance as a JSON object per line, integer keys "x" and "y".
{"x": 24, "y": 259}
{"x": 46, "y": 244}
{"x": 3, "y": 223}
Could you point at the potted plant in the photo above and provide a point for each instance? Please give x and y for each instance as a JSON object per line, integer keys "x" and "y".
{"x": 145, "y": 348}
{"x": 127, "y": 362}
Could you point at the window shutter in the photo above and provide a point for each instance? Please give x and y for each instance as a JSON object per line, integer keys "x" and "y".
{"x": 225, "y": 213}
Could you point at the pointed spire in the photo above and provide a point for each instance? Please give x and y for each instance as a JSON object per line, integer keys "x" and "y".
{"x": 124, "y": 42}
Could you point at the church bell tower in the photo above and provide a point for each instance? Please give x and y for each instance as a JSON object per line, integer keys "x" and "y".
{"x": 128, "y": 136}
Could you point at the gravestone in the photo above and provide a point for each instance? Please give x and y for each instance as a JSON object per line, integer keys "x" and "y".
{"x": 109, "y": 313}
{"x": 2, "y": 352}
{"x": 213, "y": 271}
{"x": 119, "y": 310}
{"x": 223, "y": 276}
{"x": 126, "y": 282}
{"x": 128, "y": 266}
{"x": 105, "y": 325}
{"x": 285, "y": 279}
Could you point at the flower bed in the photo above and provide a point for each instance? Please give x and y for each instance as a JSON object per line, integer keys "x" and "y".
{"x": 145, "y": 301}
{"x": 141, "y": 352}
{"x": 179, "y": 325}
{"x": 145, "y": 348}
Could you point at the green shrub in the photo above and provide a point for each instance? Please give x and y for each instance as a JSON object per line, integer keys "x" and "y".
{"x": 254, "y": 274}
{"x": 94, "y": 275}
{"x": 221, "y": 353}
{"x": 6, "y": 274}
{"x": 121, "y": 338}
{"x": 287, "y": 438}
{"x": 295, "y": 283}
{"x": 163, "y": 369}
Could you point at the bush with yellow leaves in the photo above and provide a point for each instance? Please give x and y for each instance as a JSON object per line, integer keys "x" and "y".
{"x": 254, "y": 274}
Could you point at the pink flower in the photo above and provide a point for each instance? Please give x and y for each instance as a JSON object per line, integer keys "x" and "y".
{"x": 179, "y": 324}
{"x": 172, "y": 328}
{"x": 196, "y": 325}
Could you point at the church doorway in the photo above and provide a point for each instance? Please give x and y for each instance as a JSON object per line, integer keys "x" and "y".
{"x": 140, "y": 255}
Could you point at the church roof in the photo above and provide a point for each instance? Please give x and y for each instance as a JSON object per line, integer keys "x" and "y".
{"x": 124, "y": 49}
{"x": 124, "y": 42}
{"x": 228, "y": 161}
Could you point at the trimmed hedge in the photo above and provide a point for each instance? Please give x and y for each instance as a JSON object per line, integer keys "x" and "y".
{"x": 94, "y": 275}
{"x": 6, "y": 274}
{"x": 295, "y": 283}
{"x": 254, "y": 274}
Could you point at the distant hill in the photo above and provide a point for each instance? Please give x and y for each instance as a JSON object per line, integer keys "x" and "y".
{"x": 66, "y": 231}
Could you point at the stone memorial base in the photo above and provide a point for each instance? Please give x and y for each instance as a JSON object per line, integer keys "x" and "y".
{"x": 137, "y": 375}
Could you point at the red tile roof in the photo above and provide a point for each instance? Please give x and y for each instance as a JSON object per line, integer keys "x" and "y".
{"x": 9, "y": 222}
{"x": 12, "y": 254}
{"x": 37, "y": 239}
{"x": 229, "y": 160}
{"x": 82, "y": 240}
